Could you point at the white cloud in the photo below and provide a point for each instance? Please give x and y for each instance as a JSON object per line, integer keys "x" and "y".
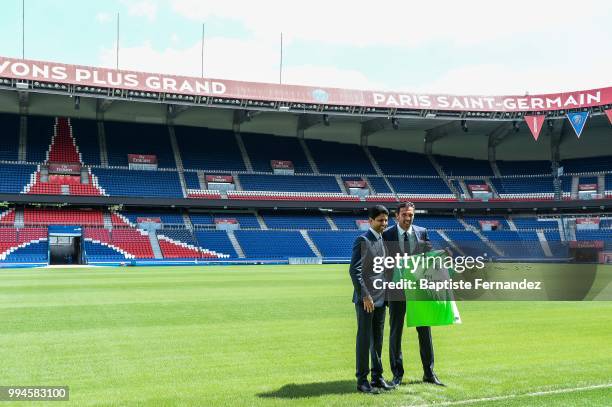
{"x": 400, "y": 23}
{"x": 233, "y": 59}
{"x": 103, "y": 17}
{"x": 142, "y": 8}
{"x": 488, "y": 79}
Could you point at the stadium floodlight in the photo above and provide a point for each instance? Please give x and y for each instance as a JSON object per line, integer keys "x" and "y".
{"x": 464, "y": 126}
{"x": 395, "y": 123}
{"x": 326, "y": 120}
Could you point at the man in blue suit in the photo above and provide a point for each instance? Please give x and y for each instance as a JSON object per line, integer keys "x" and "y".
{"x": 405, "y": 237}
{"x": 369, "y": 299}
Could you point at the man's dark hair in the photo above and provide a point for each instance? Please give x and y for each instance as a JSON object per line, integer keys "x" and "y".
{"x": 376, "y": 210}
{"x": 405, "y": 204}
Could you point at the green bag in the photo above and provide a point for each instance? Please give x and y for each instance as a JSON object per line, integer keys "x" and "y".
{"x": 428, "y": 307}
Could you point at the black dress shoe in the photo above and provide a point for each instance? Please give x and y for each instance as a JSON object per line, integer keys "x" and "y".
{"x": 397, "y": 381}
{"x": 381, "y": 384}
{"x": 433, "y": 380}
{"x": 366, "y": 388}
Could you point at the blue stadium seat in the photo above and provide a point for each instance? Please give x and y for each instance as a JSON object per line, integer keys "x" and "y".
{"x": 587, "y": 180}
{"x": 533, "y": 223}
{"x": 340, "y": 158}
{"x": 167, "y": 218}
{"x": 346, "y": 221}
{"x": 138, "y": 138}
{"x": 216, "y": 240}
{"x": 395, "y": 162}
{"x": 14, "y": 177}
{"x": 438, "y": 222}
{"x": 191, "y": 180}
{"x": 85, "y": 134}
{"x": 32, "y": 253}
{"x": 592, "y": 235}
{"x": 535, "y": 185}
{"x": 9, "y": 136}
{"x": 379, "y": 185}
{"x": 97, "y": 252}
{"x": 208, "y": 149}
{"x": 268, "y": 244}
{"x": 182, "y": 235}
{"x": 139, "y": 183}
{"x": 458, "y": 166}
{"x": 419, "y": 185}
{"x": 201, "y": 219}
{"x": 474, "y": 221}
{"x": 295, "y": 221}
{"x": 524, "y": 167}
{"x": 289, "y": 183}
{"x": 585, "y": 165}
{"x": 468, "y": 242}
{"x": 263, "y": 148}
{"x": 335, "y": 244}
{"x": 522, "y": 244}
{"x": 40, "y": 132}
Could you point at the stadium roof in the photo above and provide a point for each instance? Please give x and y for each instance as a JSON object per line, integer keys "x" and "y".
{"x": 366, "y": 117}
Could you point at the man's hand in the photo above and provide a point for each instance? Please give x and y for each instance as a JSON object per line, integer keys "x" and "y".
{"x": 368, "y": 304}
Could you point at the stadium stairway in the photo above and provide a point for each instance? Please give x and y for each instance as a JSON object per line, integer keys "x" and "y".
{"x": 311, "y": 244}
{"x": 63, "y": 150}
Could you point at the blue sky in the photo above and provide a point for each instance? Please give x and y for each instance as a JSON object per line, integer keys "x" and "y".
{"x": 477, "y": 47}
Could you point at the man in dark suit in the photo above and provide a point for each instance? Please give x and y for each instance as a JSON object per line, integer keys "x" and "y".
{"x": 369, "y": 299}
{"x": 404, "y": 237}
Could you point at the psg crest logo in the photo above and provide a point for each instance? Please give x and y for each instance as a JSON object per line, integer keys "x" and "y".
{"x": 320, "y": 95}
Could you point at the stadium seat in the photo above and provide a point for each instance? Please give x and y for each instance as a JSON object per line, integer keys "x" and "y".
{"x": 9, "y": 136}
{"x": 262, "y": 148}
{"x": 124, "y": 138}
{"x": 208, "y": 149}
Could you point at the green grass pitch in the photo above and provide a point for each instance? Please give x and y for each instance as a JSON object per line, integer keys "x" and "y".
{"x": 278, "y": 335}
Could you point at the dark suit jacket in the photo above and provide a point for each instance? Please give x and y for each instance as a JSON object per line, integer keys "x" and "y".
{"x": 390, "y": 237}
{"x": 361, "y": 270}
{"x": 393, "y": 247}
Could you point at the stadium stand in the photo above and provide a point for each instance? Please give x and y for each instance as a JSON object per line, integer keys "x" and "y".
{"x": 191, "y": 180}
{"x": 335, "y": 244}
{"x": 340, "y": 158}
{"x": 256, "y": 244}
{"x": 263, "y": 148}
{"x": 208, "y": 149}
{"x": 295, "y": 221}
{"x": 118, "y": 182}
{"x": 289, "y": 183}
{"x": 402, "y": 175}
{"x": 217, "y": 241}
{"x": 434, "y": 188}
{"x": 590, "y": 165}
{"x": 40, "y": 132}
{"x": 456, "y": 166}
{"x": 15, "y": 177}
{"x": 524, "y": 167}
{"x": 124, "y": 138}
{"x": 85, "y": 134}
{"x": 9, "y": 136}
{"x": 394, "y": 162}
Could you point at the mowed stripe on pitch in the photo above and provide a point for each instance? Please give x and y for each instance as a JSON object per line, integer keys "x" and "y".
{"x": 514, "y": 396}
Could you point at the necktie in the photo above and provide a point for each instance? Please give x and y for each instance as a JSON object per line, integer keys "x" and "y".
{"x": 406, "y": 243}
